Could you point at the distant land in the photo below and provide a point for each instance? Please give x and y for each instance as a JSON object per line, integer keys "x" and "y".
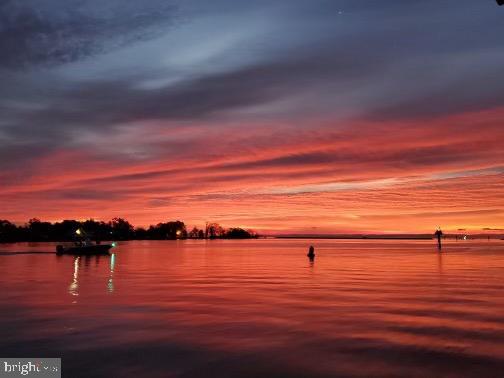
{"x": 36, "y": 230}
{"x": 459, "y": 236}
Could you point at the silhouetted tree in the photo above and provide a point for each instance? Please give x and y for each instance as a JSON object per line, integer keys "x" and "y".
{"x": 9, "y": 232}
{"x": 169, "y": 230}
{"x": 98, "y": 230}
{"x": 141, "y": 233}
{"x": 239, "y": 233}
{"x": 38, "y": 230}
{"x": 116, "y": 229}
{"x": 121, "y": 229}
{"x": 213, "y": 231}
{"x": 194, "y": 233}
{"x": 64, "y": 230}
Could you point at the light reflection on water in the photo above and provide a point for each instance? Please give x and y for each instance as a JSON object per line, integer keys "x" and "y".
{"x": 74, "y": 286}
{"x": 259, "y": 308}
{"x": 110, "y": 285}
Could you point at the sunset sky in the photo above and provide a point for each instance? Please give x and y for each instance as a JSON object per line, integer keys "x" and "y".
{"x": 295, "y": 116}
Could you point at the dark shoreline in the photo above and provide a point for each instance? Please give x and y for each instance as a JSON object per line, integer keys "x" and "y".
{"x": 391, "y": 237}
{"x": 356, "y": 237}
{"x": 294, "y": 237}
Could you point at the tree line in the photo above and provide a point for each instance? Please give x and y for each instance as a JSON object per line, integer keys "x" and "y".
{"x": 117, "y": 229}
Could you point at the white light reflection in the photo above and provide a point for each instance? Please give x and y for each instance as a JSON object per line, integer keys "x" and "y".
{"x": 110, "y": 284}
{"x": 74, "y": 286}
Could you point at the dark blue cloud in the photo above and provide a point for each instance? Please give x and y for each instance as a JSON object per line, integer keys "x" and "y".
{"x": 55, "y": 32}
{"x": 92, "y": 65}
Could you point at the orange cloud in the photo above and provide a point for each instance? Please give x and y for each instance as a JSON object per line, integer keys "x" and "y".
{"x": 361, "y": 176}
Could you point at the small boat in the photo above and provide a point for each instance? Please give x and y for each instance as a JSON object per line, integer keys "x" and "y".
{"x": 84, "y": 249}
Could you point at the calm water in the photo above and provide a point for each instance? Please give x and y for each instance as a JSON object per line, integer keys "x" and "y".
{"x": 259, "y": 309}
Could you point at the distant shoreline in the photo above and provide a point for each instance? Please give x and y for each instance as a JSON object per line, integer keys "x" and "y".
{"x": 357, "y": 237}
{"x": 390, "y": 237}
{"x": 300, "y": 237}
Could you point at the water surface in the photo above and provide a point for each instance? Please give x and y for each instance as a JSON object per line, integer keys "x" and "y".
{"x": 258, "y": 308}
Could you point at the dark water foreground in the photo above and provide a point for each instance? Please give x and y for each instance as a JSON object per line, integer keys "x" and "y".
{"x": 258, "y": 308}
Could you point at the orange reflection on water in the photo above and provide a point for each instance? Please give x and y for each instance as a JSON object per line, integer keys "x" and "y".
{"x": 231, "y": 308}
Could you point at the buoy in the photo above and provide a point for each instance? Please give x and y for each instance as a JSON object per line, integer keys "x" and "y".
{"x": 311, "y": 253}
